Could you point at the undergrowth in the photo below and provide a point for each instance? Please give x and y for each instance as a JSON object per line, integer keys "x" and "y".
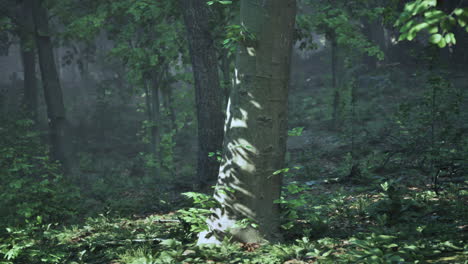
{"x": 326, "y": 223}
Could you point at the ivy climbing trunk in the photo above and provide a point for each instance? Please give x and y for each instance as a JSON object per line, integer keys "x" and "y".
{"x": 52, "y": 89}
{"x": 28, "y": 56}
{"x": 208, "y": 93}
{"x": 256, "y": 127}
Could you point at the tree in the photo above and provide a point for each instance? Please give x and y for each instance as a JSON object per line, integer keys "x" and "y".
{"x": 208, "y": 93}
{"x": 28, "y": 56}
{"x": 256, "y": 126}
{"x": 342, "y": 24}
{"x": 150, "y": 47}
{"x": 52, "y": 88}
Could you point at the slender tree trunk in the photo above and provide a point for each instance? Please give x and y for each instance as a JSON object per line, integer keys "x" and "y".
{"x": 375, "y": 33}
{"x": 168, "y": 100}
{"x": 156, "y": 122}
{"x": 335, "y": 87}
{"x": 169, "y": 103}
{"x": 170, "y": 128}
{"x": 153, "y": 110}
{"x": 28, "y": 56}
{"x": 52, "y": 89}
{"x": 30, "y": 81}
{"x": 256, "y": 126}
{"x": 208, "y": 94}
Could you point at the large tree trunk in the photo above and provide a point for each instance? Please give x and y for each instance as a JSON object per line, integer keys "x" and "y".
{"x": 256, "y": 126}
{"x": 226, "y": 70}
{"x": 52, "y": 89}
{"x": 28, "y": 56}
{"x": 208, "y": 94}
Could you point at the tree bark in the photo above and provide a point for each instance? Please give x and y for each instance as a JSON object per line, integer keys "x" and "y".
{"x": 28, "y": 56}
{"x": 226, "y": 70}
{"x": 256, "y": 127}
{"x": 208, "y": 93}
{"x": 52, "y": 90}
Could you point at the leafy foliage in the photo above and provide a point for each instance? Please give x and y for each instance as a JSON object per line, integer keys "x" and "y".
{"x": 32, "y": 185}
{"x": 426, "y": 15}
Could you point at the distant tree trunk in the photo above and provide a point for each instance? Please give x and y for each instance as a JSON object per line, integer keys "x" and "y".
{"x": 28, "y": 56}
{"x": 168, "y": 100}
{"x": 208, "y": 94}
{"x": 156, "y": 122}
{"x": 154, "y": 118}
{"x": 374, "y": 30}
{"x": 52, "y": 90}
{"x": 335, "y": 87}
{"x": 256, "y": 127}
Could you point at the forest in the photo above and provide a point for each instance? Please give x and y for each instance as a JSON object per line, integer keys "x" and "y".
{"x": 233, "y": 131}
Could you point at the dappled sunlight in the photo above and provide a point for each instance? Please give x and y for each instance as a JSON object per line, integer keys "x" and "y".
{"x": 240, "y": 150}
{"x": 255, "y": 103}
{"x": 240, "y": 122}
{"x": 251, "y": 51}
{"x": 236, "y": 76}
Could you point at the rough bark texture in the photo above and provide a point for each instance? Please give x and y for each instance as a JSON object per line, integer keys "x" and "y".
{"x": 256, "y": 126}
{"x": 28, "y": 56}
{"x": 52, "y": 89}
{"x": 208, "y": 93}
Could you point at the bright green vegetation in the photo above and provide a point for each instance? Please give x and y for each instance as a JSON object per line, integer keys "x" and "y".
{"x": 107, "y": 150}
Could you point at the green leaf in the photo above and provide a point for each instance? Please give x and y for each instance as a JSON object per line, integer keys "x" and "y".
{"x": 433, "y": 30}
{"x": 407, "y": 26}
{"x": 434, "y": 14}
{"x": 450, "y": 38}
{"x": 462, "y": 22}
{"x": 458, "y": 11}
{"x": 435, "y": 38}
{"x": 403, "y": 37}
{"x": 442, "y": 43}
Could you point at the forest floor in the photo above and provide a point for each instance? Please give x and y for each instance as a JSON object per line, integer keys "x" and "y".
{"x": 334, "y": 223}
